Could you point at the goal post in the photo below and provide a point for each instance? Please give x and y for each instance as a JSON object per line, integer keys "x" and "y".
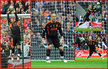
{"x": 19, "y": 15}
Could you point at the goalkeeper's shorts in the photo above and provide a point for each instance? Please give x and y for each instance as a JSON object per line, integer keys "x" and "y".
{"x": 53, "y": 40}
{"x": 16, "y": 41}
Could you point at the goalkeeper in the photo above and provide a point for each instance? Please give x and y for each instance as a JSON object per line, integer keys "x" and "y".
{"x": 15, "y": 29}
{"x": 51, "y": 30}
{"x": 91, "y": 9}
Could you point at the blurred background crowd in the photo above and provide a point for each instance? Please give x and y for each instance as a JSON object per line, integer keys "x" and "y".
{"x": 21, "y": 7}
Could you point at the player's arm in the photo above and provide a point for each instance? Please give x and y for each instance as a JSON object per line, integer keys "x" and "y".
{"x": 60, "y": 31}
{"x": 43, "y": 34}
{"x": 16, "y": 16}
{"x": 8, "y": 18}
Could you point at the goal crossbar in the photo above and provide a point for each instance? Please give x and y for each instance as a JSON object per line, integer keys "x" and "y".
{"x": 19, "y": 15}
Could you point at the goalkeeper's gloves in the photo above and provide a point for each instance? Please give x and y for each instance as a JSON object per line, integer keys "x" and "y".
{"x": 43, "y": 41}
{"x": 62, "y": 40}
{"x": 8, "y": 11}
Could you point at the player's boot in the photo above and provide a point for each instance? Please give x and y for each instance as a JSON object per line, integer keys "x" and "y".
{"x": 18, "y": 57}
{"x": 87, "y": 57}
{"x": 48, "y": 60}
{"x": 102, "y": 57}
{"x": 62, "y": 58}
{"x": 12, "y": 57}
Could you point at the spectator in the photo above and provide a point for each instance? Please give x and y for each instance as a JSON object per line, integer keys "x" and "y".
{"x": 21, "y": 7}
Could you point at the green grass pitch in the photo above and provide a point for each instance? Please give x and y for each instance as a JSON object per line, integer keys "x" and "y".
{"x": 93, "y": 62}
{"x": 87, "y": 29}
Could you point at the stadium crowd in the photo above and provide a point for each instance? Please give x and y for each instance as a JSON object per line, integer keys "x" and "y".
{"x": 21, "y": 7}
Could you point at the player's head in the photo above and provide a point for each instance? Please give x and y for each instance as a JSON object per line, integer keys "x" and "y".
{"x": 53, "y": 17}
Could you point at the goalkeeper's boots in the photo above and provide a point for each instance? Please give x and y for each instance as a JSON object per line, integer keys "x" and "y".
{"x": 12, "y": 57}
{"x": 48, "y": 60}
{"x": 87, "y": 57}
{"x": 62, "y": 58}
{"x": 102, "y": 57}
{"x": 18, "y": 57}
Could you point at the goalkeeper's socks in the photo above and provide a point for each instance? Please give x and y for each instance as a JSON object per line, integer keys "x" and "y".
{"x": 48, "y": 52}
{"x": 99, "y": 54}
{"x": 13, "y": 49}
{"x": 61, "y": 53}
{"x": 19, "y": 51}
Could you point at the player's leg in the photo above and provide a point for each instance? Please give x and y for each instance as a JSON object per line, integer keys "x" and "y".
{"x": 90, "y": 53}
{"x": 57, "y": 44}
{"x": 19, "y": 52}
{"x": 84, "y": 19}
{"x": 18, "y": 48}
{"x": 62, "y": 54}
{"x": 61, "y": 51}
{"x": 99, "y": 54}
{"x": 49, "y": 42}
{"x": 13, "y": 48}
{"x": 48, "y": 53}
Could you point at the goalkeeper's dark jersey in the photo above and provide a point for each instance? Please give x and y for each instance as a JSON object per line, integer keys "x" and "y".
{"x": 51, "y": 29}
{"x": 14, "y": 27}
{"x": 86, "y": 17}
{"x": 88, "y": 13}
{"x": 91, "y": 44}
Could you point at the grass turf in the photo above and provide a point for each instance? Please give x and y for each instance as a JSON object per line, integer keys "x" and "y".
{"x": 87, "y": 29}
{"x": 93, "y": 62}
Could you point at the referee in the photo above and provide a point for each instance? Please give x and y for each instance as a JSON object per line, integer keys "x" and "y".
{"x": 50, "y": 30}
